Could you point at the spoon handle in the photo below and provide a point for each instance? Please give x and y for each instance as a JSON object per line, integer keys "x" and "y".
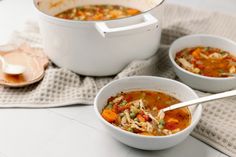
{"x": 201, "y": 100}
{"x": 2, "y": 60}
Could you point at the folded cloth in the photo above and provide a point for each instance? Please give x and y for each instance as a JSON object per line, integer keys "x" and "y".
{"x": 61, "y": 87}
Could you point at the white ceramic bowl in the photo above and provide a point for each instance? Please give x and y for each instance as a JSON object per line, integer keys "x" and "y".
{"x": 174, "y": 88}
{"x": 208, "y": 84}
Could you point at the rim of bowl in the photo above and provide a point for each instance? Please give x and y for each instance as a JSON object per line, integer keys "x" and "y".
{"x": 193, "y": 123}
{"x": 90, "y": 21}
{"x": 171, "y": 52}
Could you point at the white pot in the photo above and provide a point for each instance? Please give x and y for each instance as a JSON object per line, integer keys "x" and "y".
{"x": 99, "y": 48}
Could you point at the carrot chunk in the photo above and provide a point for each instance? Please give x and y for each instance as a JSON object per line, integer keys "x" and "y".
{"x": 109, "y": 115}
{"x": 140, "y": 118}
{"x": 196, "y": 53}
{"x": 132, "y": 11}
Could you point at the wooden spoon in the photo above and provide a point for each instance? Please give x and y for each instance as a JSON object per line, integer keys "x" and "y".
{"x": 32, "y": 59}
{"x": 11, "y": 69}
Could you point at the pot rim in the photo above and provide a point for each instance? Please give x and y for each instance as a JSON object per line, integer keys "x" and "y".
{"x": 90, "y": 21}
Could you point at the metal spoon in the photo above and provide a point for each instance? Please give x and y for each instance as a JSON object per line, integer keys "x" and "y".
{"x": 11, "y": 69}
{"x": 161, "y": 113}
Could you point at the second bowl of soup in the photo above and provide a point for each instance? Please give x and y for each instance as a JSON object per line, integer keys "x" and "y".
{"x": 205, "y": 62}
{"x": 129, "y": 110}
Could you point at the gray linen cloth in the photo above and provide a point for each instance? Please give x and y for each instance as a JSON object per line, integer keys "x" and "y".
{"x": 61, "y": 87}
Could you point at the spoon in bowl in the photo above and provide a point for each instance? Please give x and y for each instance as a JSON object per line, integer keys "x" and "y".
{"x": 11, "y": 69}
{"x": 161, "y": 113}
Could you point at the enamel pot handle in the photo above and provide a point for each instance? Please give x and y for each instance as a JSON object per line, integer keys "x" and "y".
{"x": 149, "y": 23}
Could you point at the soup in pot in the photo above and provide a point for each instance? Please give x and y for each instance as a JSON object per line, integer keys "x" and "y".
{"x": 138, "y": 112}
{"x": 98, "y": 12}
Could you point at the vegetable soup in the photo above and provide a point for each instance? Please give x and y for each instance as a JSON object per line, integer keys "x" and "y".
{"x": 98, "y": 12}
{"x": 207, "y": 61}
{"x": 137, "y": 112}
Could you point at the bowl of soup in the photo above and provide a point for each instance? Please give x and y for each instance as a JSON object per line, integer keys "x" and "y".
{"x": 205, "y": 62}
{"x": 99, "y": 37}
{"x": 129, "y": 109}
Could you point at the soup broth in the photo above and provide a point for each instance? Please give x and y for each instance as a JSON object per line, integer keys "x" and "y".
{"x": 98, "y": 12}
{"x": 137, "y": 112}
{"x": 207, "y": 61}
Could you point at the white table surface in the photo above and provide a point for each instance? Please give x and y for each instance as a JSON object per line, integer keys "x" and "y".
{"x": 75, "y": 131}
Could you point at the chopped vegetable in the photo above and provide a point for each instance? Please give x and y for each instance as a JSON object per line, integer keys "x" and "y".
{"x": 207, "y": 61}
{"x": 109, "y": 115}
{"x": 130, "y": 129}
{"x": 123, "y": 103}
{"x": 97, "y": 12}
{"x": 122, "y": 108}
{"x": 132, "y": 115}
{"x": 146, "y": 117}
{"x": 110, "y": 105}
{"x": 140, "y": 118}
{"x": 161, "y": 122}
{"x": 141, "y": 113}
{"x": 196, "y": 53}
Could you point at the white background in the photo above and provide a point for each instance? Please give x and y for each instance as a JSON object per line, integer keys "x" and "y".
{"x": 75, "y": 131}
